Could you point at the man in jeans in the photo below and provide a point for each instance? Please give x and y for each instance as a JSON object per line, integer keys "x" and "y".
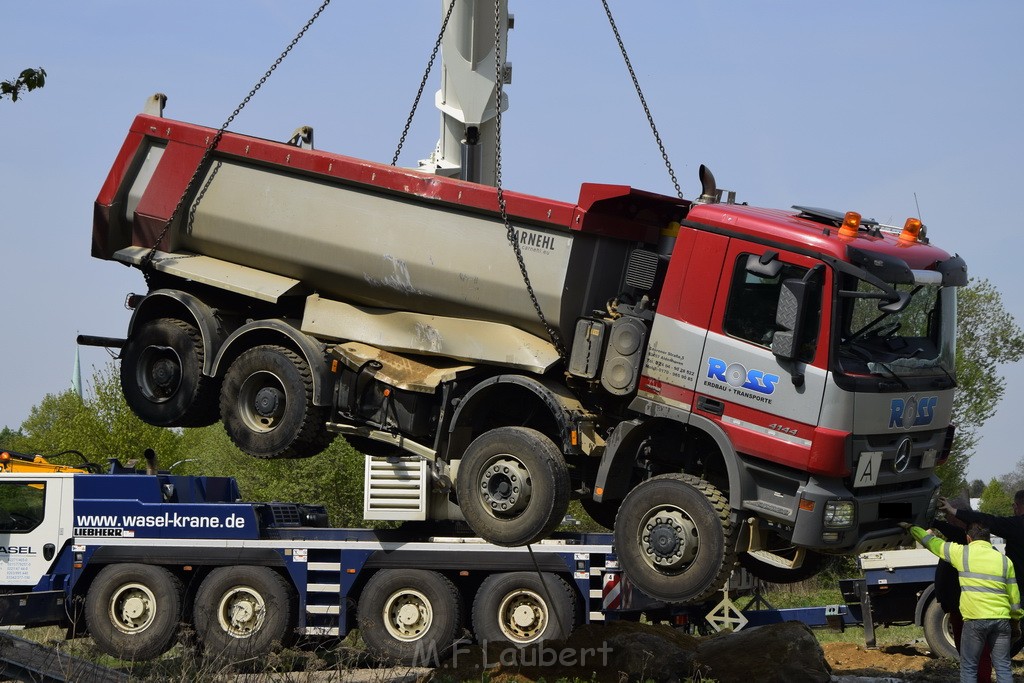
{"x": 1010, "y": 529}
{"x": 989, "y": 598}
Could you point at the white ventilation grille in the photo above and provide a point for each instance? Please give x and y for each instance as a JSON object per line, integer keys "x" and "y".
{"x": 396, "y": 488}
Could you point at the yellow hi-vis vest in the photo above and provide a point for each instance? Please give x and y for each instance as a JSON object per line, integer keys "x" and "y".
{"x": 988, "y": 587}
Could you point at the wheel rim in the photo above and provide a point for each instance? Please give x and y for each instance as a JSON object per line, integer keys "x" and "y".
{"x": 505, "y": 486}
{"x": 262, "y": 400}
{"x": 158, "y": 373}
{"x": 132, "y": 608}
{"x": 522, "y": 616}
{"x": 408, "y": 615}
{"x": 668, "y": 538}
{"x": 241, "y": 612}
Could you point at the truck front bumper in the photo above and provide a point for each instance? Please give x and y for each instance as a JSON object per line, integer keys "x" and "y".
{"x": 832, "y": 517}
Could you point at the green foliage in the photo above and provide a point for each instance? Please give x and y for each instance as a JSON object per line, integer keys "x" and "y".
{"x": 333, "y": 478}
{"x": 987, "y": 335}
{"x": 975, "y": 488}
{"x": 101, "y": 425}
{"x": 28, "y": 80}
{"x": 995, "y": 500}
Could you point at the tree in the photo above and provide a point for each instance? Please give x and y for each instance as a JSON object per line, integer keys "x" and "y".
{"x": 975, "y": 488}
{"x": 100, "y": 426}
{"x": 28, "y": 80}
{"x": 987, "y": 335}
{"x": 995, "y": 500}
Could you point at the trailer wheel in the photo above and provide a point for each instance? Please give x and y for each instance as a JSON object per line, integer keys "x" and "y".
{"x": 133, "y": 610}
{"x": 938, "y": 633}
{"x": 814, "y": 563}
{"x": 267, "y": 405}
{"x": 162, "y": 375}
{"x": 409, "y": 616}
{"x": 513, "y": 486}
{"x": 674, "y": 539}
{"x": 523, "y": 608}
{"x": 243, "y": 612}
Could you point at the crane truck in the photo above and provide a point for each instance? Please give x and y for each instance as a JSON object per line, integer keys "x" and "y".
{"x": 715, "y": 382}
{"x": 128, "y": 556}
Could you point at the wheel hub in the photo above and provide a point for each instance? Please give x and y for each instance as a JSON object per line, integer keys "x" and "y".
{"x": 165, "y": 374}
{"x": 524, "y": 617}
{"x": 505, "y": 486}
{"x": 267, "y": 402}
{"x": 242, "y": 612}
{"x": 669, "y": 539}
{"x": 134, "y": 608}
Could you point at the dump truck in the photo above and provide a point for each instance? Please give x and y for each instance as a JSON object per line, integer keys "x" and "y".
{"x": 714, "y": 381}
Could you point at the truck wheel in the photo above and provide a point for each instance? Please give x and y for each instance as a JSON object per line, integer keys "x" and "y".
{"x": 513, "y": 486}
{"x": 520, "y": 608}
{"x": 133, "y": 610}
{"x": 410, "y": 616}
{"x": 267, "y": 405}
{"x": 162, "y": 375}
{"x": 938, "y": 633}
{"x": 243, "y": 612}
{"x": 814, "y": 563}
{"x": 674, "y": 539}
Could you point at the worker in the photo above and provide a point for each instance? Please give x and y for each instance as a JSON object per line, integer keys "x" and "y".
{"x": 1010, "y": 529}
{"x": 989, "y": 598}
{"x": 947, "y": 586}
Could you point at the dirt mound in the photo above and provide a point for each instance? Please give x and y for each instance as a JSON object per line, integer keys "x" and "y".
{"x": 904, "y": 662}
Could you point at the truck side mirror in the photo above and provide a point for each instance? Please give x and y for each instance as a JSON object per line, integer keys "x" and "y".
{"x": 767, "y": 265}
{"x": 789, "y": 318}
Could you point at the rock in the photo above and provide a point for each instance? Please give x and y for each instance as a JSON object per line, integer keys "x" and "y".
{"x": 777, "y": 653}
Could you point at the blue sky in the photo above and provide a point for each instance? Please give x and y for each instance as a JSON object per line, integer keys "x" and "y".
{"x": 855, "y": 106}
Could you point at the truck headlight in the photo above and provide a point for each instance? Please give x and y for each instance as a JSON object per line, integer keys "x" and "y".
{"x": 839, "y": 514}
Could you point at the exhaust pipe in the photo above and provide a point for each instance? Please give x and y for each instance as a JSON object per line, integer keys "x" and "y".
{"x": 708, "y": 189}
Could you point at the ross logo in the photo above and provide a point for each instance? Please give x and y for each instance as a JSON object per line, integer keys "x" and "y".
{"x": 903, "y": 452}
{"x": 912, "y": 412}
{"x": 738, "y": 377}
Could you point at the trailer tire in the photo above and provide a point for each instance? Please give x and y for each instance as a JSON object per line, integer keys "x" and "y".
{"x": 814, "y": 563}
{"x": 162, "y": 375}
{"x": 674, "y": 538}
{"x": 133, "y": 610}
{"x": 937, "y": 631}
{"x": 243, "y": 612}
{"x": 513, "y": 486}
{"x": 523, "y": 608}
{"x": 266, "y": 403}
{"x": 410, "y": 616}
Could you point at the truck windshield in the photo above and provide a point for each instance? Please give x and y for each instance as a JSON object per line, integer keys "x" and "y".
{"x": 919, "y": 339}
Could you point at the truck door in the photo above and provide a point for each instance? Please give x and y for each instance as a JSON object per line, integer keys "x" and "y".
{"x": 31, "y": 527}
{"x": 769, "y": 407}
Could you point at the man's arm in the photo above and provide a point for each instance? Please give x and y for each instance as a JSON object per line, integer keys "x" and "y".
{"x": 950, "y": 552}
{"x": 1008, "y": 528}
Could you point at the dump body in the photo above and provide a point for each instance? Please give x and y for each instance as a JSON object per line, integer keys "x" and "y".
{"x": 367, "y": 233}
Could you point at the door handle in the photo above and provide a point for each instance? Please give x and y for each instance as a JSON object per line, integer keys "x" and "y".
{"x": 48, "y": 550}
{"x": 710, "y": 405}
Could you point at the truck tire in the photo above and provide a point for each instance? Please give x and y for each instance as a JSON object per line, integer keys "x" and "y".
{"x": 674, "y": 539}
{"x": 522, "y": 608}
{"x": 133, "y": 610}
{"x": 266, "y": 403}
{"x": 937, "y": 631}
{"x": 162, "y": 375}
{"x": 410, "y": 616}
{"x": 814, "y": 563}
{"x": 513, "y": 486}
{"x": 243, "y": 612}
